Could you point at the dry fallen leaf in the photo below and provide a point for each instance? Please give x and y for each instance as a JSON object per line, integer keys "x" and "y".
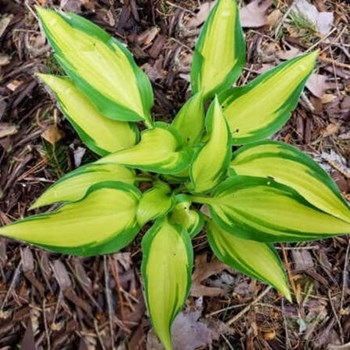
{"x": 146, "y": 37}
{"x": 188, "y": 333}
{"x": 322, "y": 21}
{"x": 328, "y": 98}
{"x": 201, "y": 15}
{"x": 289, "y": 54}
{"x": 331, "y": 129}
{"x": 7, "y": 129}
{"x": 71, "y": 5}
{"x": 302, "y": 260}
{"x": 318, "y": 84}
{"x": 52, "y": 134}
{"x": 78, "y": 155}
{"x": 202, "y": 271}
{"x": 254, "y": 14}
{"x": 274, "y": 17}
{"x": 4, "y": 60}
{"x": 155, "y": 71}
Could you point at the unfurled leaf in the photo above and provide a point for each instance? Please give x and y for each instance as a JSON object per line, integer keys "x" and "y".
{"x": 73, "y": 186}
{"x": 189, "y": 122}
{"x": 155, "y": 202}
{"x": 160, "y": 150}
{"x": 100, "y": 66}
{"x": 100, "y": 134}
{"x": 219, "y": 54}
{"x": 166, "y": 269}
{"x": 104, "y": 221}
{"x": 263, "y": 210}
{"x": 191, "y": 219}
{"x": 289, "y": 166}
{"x": 211, "y": 161}
{"x": 262, "y": 107}
{"x": 256, "y": 259}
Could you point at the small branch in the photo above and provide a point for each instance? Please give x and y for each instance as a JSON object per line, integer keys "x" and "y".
{"x": 345, "y": 276}
{"x": 247, "y": 308}
{"x": 341, "y": 333}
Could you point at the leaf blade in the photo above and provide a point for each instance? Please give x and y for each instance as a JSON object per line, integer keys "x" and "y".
{"x": 155, "y": 202}
{"x": 166, "y": 284}
{"x": 159, "y": 150}
{"x": 189, "y": 122}
{"x": 263, "y": 210}
{"x": 255, "y": 259}
{"x": 102, "y": 222}
{"x": 289, "y": 166}
{"x": 99, "y": 66}
{"x": 211, "y": 161}
{"x": 102, "y": 135}
{"x": 219, "y": 54}
{"x": 74, "y": 185}
{"x": 262, "y": 107}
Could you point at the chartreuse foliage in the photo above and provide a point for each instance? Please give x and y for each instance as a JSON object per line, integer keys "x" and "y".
{"x": 263, "y": 193}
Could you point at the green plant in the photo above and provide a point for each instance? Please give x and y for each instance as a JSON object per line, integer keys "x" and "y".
{"x": 263, "y": 193}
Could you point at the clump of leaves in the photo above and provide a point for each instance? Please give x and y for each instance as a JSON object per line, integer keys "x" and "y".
{"x": 263, "y": 193}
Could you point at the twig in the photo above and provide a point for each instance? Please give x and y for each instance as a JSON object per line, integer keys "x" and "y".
{"x": 289, "y": 273}
{"x": 225, "y": 309}
{"x": 99, "y": 335}
{"x": 181, "y": 8}
{"x": 247, "y": 308}
{"x": 341, "y": 333}
{"x": 47, "y": 333}
{"x": 11, "y": 287}
{"x": 335, "y": 73}
{"x": 227, "y": 342}
{"x": 283, "y": 19}
{"x": 311, "y": 247}
{"x": 115, "y": 273}
{"x": 288, "y": 343}
{"x": 108, "y": 298}
{"x": 336, "y": 63}
{"x": 323, "y": 38}
{"x": 308, "y": 104}
{"x": 345, "y": 275}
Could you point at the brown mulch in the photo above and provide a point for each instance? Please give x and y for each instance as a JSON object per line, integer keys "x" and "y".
{"x": 51, "y": 301}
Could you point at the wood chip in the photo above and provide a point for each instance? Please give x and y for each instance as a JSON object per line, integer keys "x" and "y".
{"x": 61, "y": 275}
{"x": 302, "y": 260}
{"x": 14, "y": 84}
{"x": 7, "y": 129}
{"x": 4, "y": 60}
{"x": 203, "y": 270}
{"x": 4, "y": 22}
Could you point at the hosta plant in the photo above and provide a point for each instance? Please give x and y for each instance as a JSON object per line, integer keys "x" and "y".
{"x": 264, "y": 192}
